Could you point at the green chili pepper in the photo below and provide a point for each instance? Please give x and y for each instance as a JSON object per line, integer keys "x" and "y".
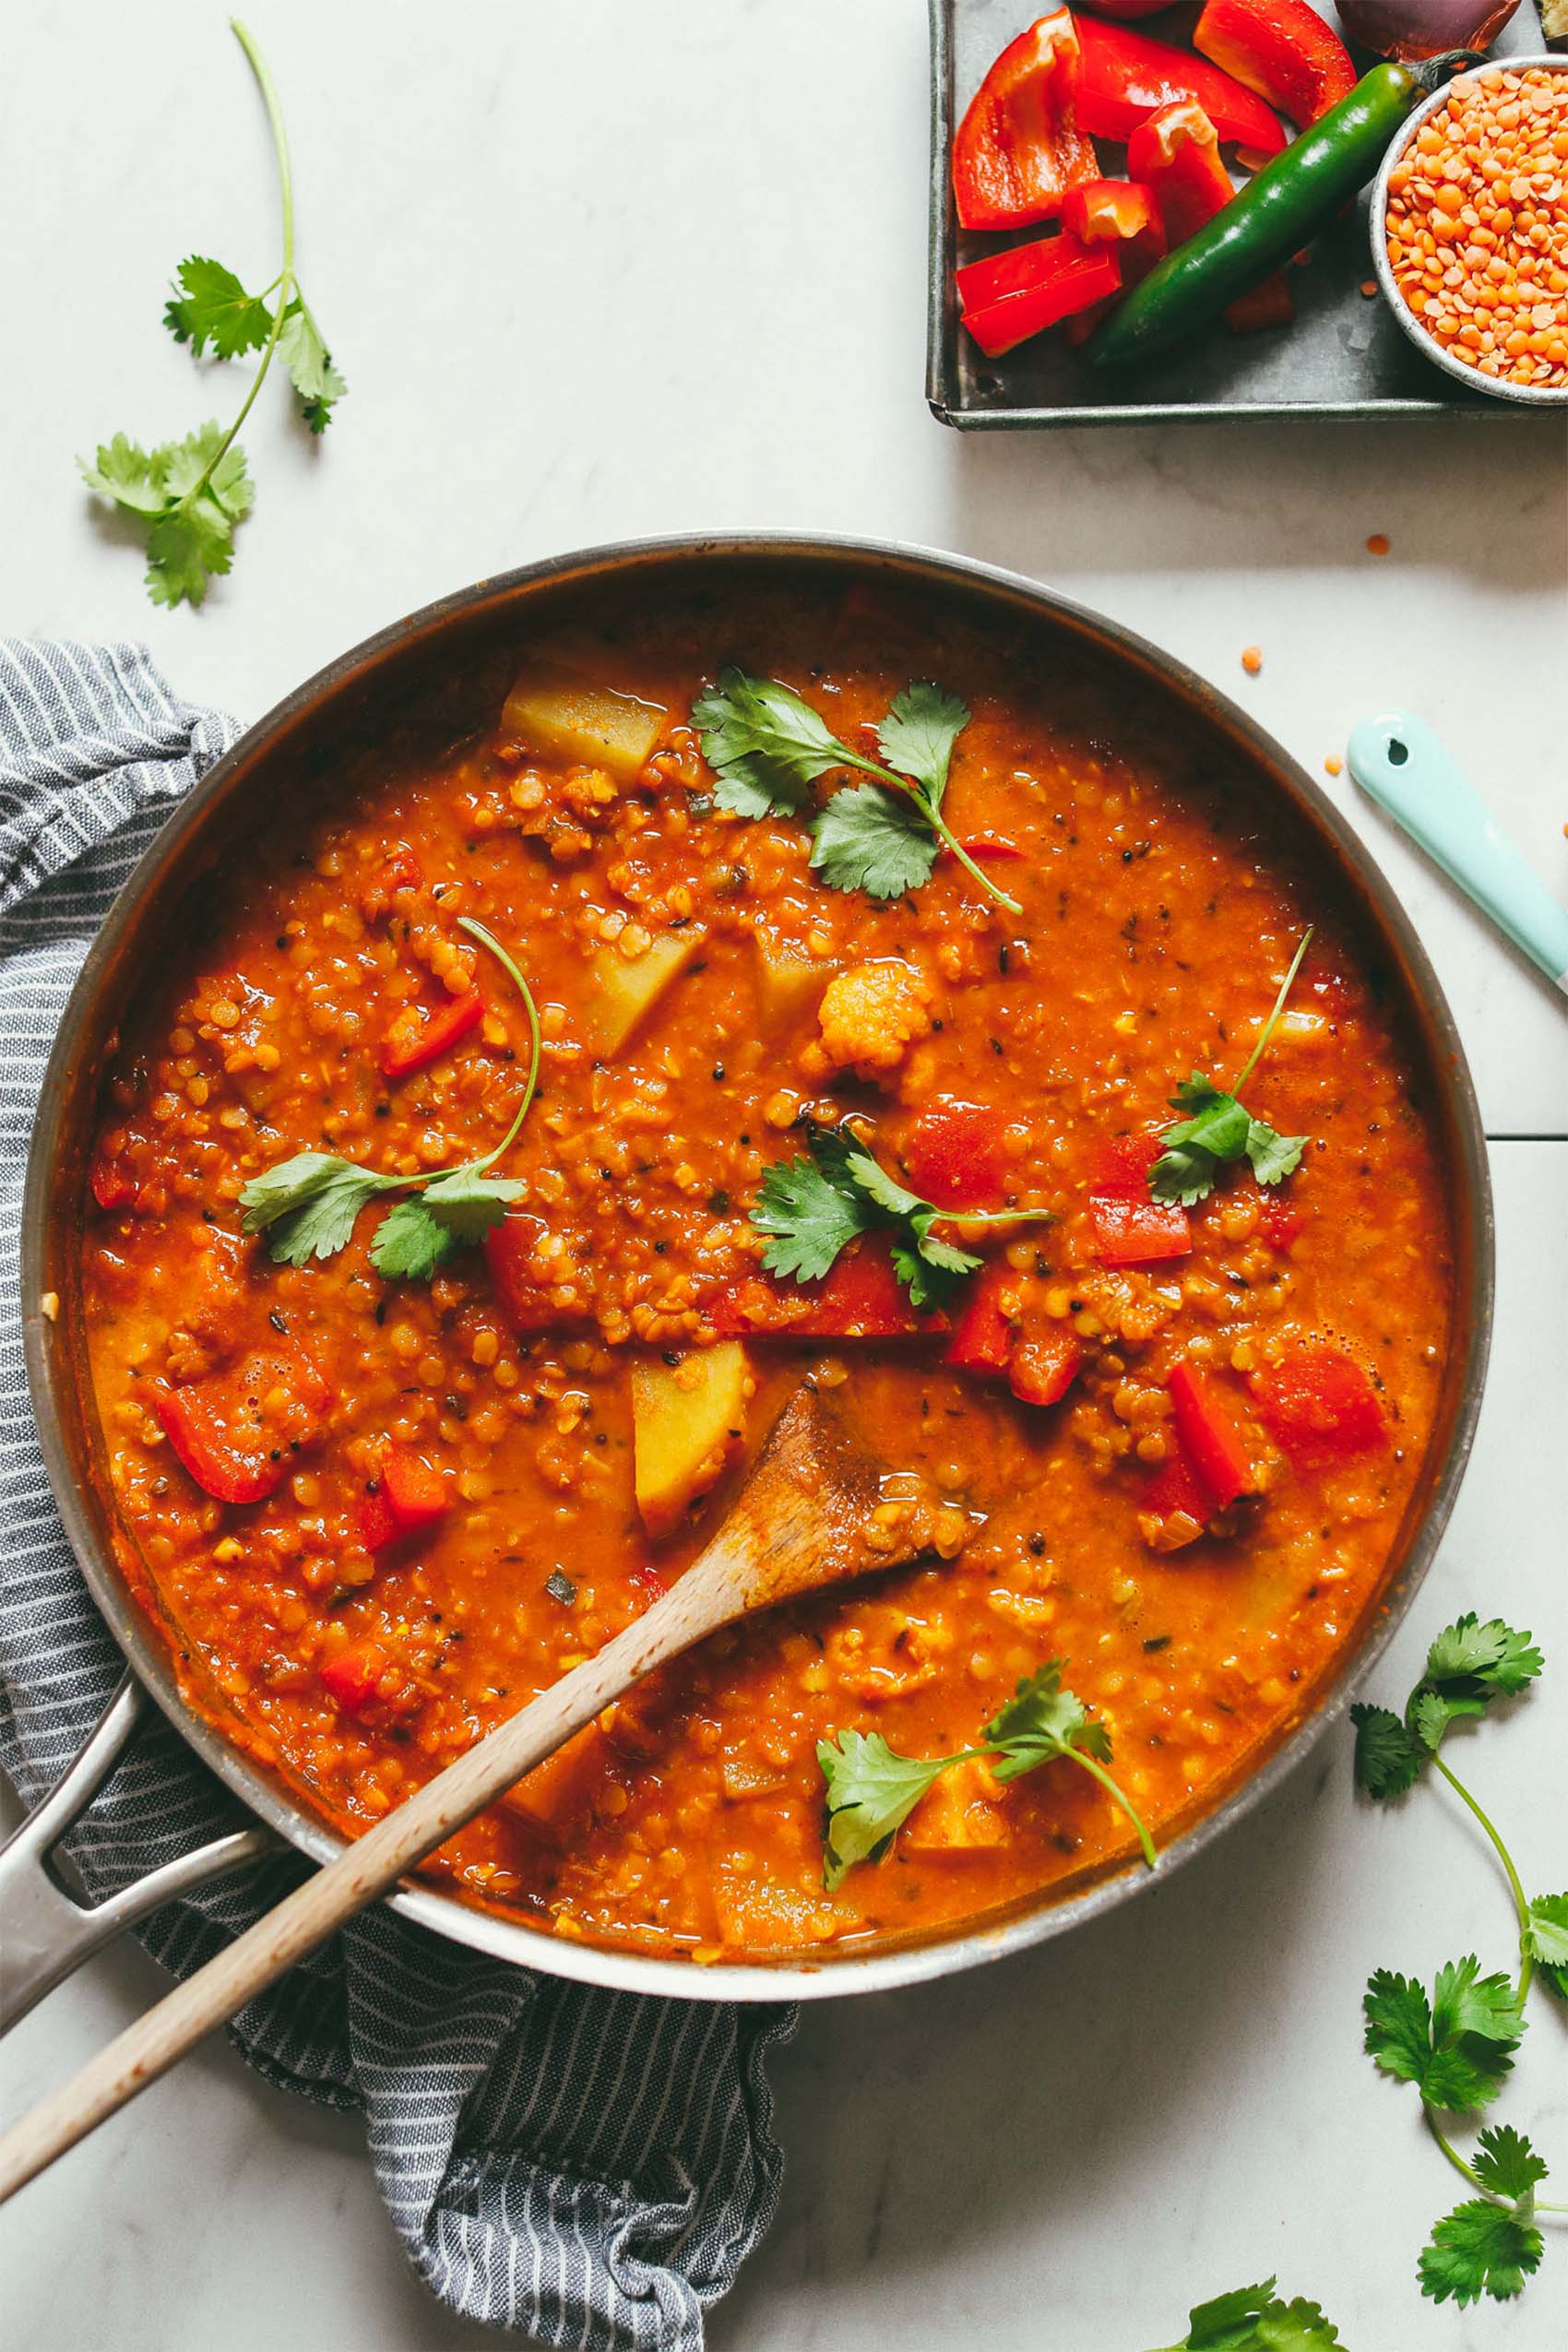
{"x": 1274, "y": 215}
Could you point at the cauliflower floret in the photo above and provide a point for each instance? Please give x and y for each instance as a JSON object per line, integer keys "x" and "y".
{"x": 871, "y": 1015}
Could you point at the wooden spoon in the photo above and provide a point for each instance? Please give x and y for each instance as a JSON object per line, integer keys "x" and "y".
{"x": 799, "y": 1522}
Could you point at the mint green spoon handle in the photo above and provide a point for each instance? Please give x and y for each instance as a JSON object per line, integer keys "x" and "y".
{"x": 1399, "y": 762}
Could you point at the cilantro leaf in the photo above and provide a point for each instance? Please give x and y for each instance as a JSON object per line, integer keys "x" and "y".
{"x": 812, "y": 1208}
{"x": 1041, "y": 1720}
{"x": 410, "y": 1243}
{"x": 1493, "y": 1655}
{"x": 809, "y": 1216}
{"x": 130, "y": 475}
{"x": 1219, "y": 1130}
{"x": 765, "y": 744}
{"x": 214, "y": 308}
{"x": 468, "y": 1203}
{"x": 1253, "y": 2319}
{"x": 1454, "y": 2048}
{"x": 918, "y": 735}
{"x": 309, "y": 363}
{"x": 1478, "y": 2249}
{"x": 1546, "y": 1939}
{"x": 866, "y": 839}
{"x": 1388, "y": 1759}
{"x": 1506, "y": 2163}
{"x": 872, "y": 1791}
{"x": 308, "y": 1204}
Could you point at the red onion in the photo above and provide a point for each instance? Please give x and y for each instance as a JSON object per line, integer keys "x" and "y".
{"x": 1424, "y": 27}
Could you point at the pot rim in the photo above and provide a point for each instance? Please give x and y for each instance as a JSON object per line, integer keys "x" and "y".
{"x": 52, "y": 1372}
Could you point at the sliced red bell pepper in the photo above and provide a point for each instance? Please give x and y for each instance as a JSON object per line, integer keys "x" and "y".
{"x": 1067, "y": 276}
{"x": 350, "y": 1676}
{"x": 1125, "y": 76}
{"x": 1046, "y": 1360}
{"x": 1116, "y": 211}
{"x": 1176, "y": 153}
{"x": 1207, "y": 1429}
{"x": 226, "y": 1431}
{"x": 410, "y": 1496}
{"x": 403, "y": 1052}
{"x": 1321, "y": 1407}
{"x": 1131, "y": 1230}
{"x": 1282, "y": 48}
{"x": 1019, "y": 143}
{"x": 982, "y": 1331}
{"x": 1268, "y": 303}
{"x": 509, "y": 1250}
{"x": 1174, "y": 1494}
{"x": 986, "y": 849}
{"x": 955, "y": 1155}
{"x": 113, "y": 1184}
{"x": 862, "y": 1297}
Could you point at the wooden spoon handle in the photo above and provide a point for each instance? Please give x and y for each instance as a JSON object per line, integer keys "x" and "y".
{"x": 704, "y": 1599}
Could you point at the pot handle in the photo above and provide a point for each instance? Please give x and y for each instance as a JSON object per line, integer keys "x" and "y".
{"x": 48, "y": 1934}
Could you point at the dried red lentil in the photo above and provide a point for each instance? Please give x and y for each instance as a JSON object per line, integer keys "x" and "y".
{"x": 1477, "y": 224}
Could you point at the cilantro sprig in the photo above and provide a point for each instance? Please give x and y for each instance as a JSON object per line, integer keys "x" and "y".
{"x": 1457, "y": 2045}
{"x": 307, "y": 1206}
{"x": 872, "y": 1789}
{"x": 1220, "y": 1129}
{"x": 811, "y": 1208}
{"x": 187, "y": 496}
{"x": 1254, "y": 2319}
{"x": 767, "y": 746}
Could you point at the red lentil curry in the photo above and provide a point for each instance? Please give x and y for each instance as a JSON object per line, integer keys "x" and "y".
{"x": 1168, "y": 1444}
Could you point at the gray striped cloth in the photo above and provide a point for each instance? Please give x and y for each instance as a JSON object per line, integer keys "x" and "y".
{"x": 589, "y": 2168}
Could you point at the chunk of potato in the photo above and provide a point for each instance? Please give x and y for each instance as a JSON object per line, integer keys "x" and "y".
{"x": 787, "y": 985}
{"x": 621, "y": 991}
{"x": 557, "y": 1798}
{"x": 955, "y": 1815}
{"x": 565, "y": 716}
{"x": 687, "y": 1420}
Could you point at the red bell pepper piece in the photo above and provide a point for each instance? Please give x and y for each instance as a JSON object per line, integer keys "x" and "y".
{"x": 982, "y": 1331}
{"x": 509, "y": 1250}
{"x": 401, "y": 1053}
{"x": 1118, "y": 212}
{"x": 1321, "y": 1407}
{"x": 1130, "y": 9}
{"x": 1046, "y": 1360}
{"x": 1177, "y": 153}
{"x": 1133, "y": 1231}
{"x": 1208, "y": 1431}
{"x": 861, "y": 1297}
{"x": 1268, "y": 303}
{"x": 113, "y": 1185}
{"x": 221, "y": 1435}
{"x": 955, "y": 1155}
{"x": 1019, "y": 143}
{"x": 1129, "y": 1228}
{"x": 1066, "y": 276}
{"x": 410, "y": 1496}
{"x": 350, "y": 1676}
{"x": 1174, "y": 1492}
{"x": 1125, "y": 76}
{"x": 1282, "y": 48}
{"x": 989, "y": 849}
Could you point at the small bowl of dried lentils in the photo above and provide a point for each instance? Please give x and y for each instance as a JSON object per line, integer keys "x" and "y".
{"x": 1470, "y": 229}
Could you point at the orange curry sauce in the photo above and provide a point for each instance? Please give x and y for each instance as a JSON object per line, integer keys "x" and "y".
{"x": 1162, "y": 904}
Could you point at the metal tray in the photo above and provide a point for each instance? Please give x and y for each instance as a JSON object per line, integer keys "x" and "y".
{"x": 1343, "y": 357}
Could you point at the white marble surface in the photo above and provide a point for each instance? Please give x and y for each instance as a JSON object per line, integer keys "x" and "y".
{"x": 635, "y": 266}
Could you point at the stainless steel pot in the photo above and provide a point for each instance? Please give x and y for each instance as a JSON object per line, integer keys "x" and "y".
{"x": 48, "y": 1934}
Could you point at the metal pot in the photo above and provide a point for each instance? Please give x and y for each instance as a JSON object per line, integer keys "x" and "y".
{"x": 49, "y": 1934}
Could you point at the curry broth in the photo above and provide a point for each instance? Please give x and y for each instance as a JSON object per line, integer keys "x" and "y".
{"x": 1160, "y": 904}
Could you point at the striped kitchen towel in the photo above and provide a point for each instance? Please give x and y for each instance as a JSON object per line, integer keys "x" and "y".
{"x": 589, "y": 2168}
